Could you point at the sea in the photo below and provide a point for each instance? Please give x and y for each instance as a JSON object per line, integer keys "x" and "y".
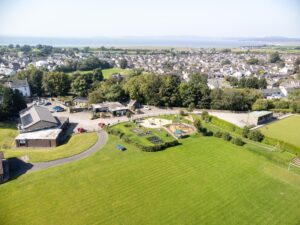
{"x": 176, "y": 42}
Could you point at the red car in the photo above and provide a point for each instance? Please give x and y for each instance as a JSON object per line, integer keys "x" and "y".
{"x": 81, "y": 130}
{"x": 101, "y": 125}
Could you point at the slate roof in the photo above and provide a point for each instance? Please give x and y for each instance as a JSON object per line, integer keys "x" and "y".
{"x": 35, "y": 114}
{"x": 17, "y": 83}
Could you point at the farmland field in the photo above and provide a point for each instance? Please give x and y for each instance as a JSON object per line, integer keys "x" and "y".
{"x": 287, "y": 130}
{"x": 203, "y": 181}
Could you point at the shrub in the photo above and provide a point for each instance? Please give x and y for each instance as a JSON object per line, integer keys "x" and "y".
{"x": 218, "y": 134}
{"x": 238, "y": 141}
{"x": 182, "y": 113}
{"x": 191, "y": 107}
{"x": 226, "y": 136}
{"x": 255, "y": 135}
{"x": 205, "y": 116}
{"x": 198, "y": 125}
{"x": 246, "y": 131}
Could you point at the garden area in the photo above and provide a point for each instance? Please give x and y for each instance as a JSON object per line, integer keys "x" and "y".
{"x": 148, "y": 139}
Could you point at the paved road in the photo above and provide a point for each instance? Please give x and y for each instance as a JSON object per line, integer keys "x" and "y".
{"x": 102, "y": 139}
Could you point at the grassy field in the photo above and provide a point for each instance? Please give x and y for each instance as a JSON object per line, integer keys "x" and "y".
{"x": 76, "y": 144}
{"x": 287, "y": 130}
{"x": 8, "y": 132}
{"x": 203, "y": 181}
{"x": 108, "y": 72}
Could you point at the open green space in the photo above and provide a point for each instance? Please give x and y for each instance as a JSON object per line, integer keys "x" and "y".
{"x": 108, "y": 72}
{"x": 76, "y": 144}
{"x": 286, "y": 130}
{"x": 203, "y": 181}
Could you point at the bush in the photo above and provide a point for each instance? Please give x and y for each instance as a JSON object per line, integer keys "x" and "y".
{"x": 218, "y": 134}
{"x": 182, "y": 113}
{"x": 238, "y": 141}
{"x": 226, "y": 136}
{"x": 255, "y": 135}
{"x": 205, "y": 116}
{"x": 246, "y": 131}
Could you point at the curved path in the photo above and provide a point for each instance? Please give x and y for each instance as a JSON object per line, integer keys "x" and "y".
{"x": 102, "y": 139}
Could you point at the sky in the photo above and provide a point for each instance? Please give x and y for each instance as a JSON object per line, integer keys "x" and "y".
{"x": 150, "y": 18}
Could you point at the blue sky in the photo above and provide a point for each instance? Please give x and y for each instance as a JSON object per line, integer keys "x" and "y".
{"x": 116, "y": 18}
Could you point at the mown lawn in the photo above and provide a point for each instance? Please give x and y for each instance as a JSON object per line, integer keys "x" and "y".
{"x": 203, "y": 181}
{"x": 8, "y": 132}
{"x": 76, "y": 144}
{"x": 287, "y": 130}
{"x": 108, "y": 72}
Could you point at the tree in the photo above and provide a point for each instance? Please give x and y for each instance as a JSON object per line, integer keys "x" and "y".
{"x": 123, "y": 63}
{"x": 34, "y": 77}
{"x": 169, "y": 91}
{"x": 262, "y": 83}
{"x": 198, "y": 125}
{"x": 12, "y": 103}
{"x": 255, "y": 135}
{"x": 252, "y": 61}
{"x": 80, "y": 86}
{"x": 274, "y": 57}
{"x": 261, "y": 104}
{"x": 195, "y": 91}
{"x": 56, "y": 83}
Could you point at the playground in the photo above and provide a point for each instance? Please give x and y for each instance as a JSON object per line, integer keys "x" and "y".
{"x": 180, "y": 129}
{"x": 155, "y": 122}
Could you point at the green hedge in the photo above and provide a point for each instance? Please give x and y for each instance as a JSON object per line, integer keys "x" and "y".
{"x": 281, "y": 110}
{"x": 154, "y": 148}
{"x": 226, "y": 125}
{"x": 283, "y": 145}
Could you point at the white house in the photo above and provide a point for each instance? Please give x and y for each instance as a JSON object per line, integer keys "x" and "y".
{"x": 21, "y": 85}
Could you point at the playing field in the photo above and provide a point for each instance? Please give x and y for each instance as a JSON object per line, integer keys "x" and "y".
{"x": 287, "y": 130}
{"x": 203, "y": 181}
{"x": 108, "y": 72}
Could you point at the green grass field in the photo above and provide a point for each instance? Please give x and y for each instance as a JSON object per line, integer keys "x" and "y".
{"x": 287, "y": 130}
{"x": 108, "y": 72}
{"x": 203, "y": 181}
{"x": 76, "y": 144}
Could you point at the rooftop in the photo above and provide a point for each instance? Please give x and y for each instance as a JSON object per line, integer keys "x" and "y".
{"x": 17, "y": 83}
{"x": 40, "y": 135}
{"x": 34, "y": 114}
{"x": 259, "y": 113}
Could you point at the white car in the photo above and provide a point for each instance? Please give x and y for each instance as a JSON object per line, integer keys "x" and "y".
{"x": 147, "y": 107}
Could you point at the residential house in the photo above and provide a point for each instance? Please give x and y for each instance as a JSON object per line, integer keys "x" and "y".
{"x": 21, "y": 85}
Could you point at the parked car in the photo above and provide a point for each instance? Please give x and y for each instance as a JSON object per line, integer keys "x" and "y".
{"x": 81, "y": 130}
{"x": 147, "y": 107}
{"x": 47, "y": 103}
{"x": 101, "y": 125}
{"x": 58, "y": 109}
